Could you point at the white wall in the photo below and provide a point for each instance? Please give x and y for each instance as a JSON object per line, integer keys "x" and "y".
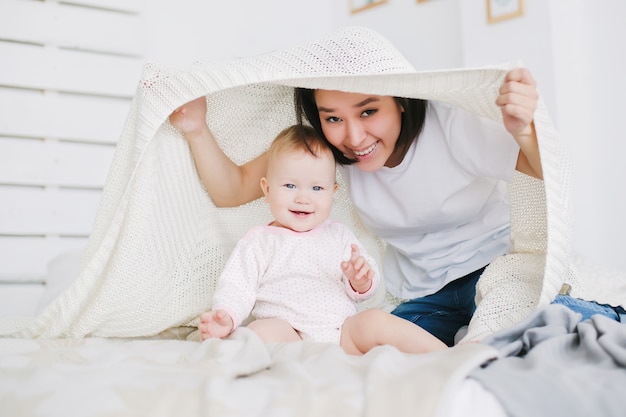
{"x": 601, "y": 199}
{"x": 185, "y": 31}
{"x": 428, "y": 34}
{"x": 68, "y": 72}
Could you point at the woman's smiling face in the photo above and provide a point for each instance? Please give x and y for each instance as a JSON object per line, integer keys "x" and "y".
{"x": 363, "y": 127}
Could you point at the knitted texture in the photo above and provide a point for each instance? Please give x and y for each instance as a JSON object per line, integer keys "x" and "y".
{"x": 159, "y": 244}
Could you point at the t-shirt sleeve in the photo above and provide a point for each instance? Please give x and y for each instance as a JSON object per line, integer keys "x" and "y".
{"x": 481, "y": 145}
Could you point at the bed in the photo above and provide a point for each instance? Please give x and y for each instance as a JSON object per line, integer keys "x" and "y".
{"x": 118, "y": 338}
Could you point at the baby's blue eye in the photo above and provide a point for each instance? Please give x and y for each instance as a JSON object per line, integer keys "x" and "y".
{"x": 290, "y": 186}
{"x": 317, "y": 188}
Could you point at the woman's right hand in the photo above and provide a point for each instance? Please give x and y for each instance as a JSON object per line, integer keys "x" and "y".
{"x": 190, "y": 118}
{"x": 228, "y": 184}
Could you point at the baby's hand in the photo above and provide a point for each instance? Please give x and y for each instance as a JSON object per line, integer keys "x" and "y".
{"x": 190, "y": 118}
{"x": 215, "y": 324}
{"x": 358, "y": 271}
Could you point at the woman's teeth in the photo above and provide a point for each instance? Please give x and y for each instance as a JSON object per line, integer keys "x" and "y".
{"x": 367, "y": 151}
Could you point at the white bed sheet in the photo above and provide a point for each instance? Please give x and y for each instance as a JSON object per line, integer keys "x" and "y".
{"x": 236, "y": 377}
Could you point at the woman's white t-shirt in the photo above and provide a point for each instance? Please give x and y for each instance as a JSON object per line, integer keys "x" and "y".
{"x": 443, "y": 211}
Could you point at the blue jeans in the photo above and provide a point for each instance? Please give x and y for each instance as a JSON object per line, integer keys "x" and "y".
{"x": 590, "y": 308}
{"x": 446, "y": 311}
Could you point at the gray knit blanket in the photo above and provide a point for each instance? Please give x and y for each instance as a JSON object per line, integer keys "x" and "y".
{"x": 554, "y": 364}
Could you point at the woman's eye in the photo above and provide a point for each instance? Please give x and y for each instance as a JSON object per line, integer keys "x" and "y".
{"x": 368, "y": 113}
{"x": 332, "y": 119}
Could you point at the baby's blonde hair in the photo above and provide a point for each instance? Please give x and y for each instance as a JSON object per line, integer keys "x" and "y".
{"x": 298, "y": 138}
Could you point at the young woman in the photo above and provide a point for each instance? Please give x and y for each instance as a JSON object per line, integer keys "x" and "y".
{"x": 426, "y": 177}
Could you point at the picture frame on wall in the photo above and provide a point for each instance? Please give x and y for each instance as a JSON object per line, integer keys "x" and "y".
{"x": 360, "y": 5}
{"x": 499, "y": 10}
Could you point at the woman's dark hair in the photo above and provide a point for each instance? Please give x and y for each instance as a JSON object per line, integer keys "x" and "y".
{"x": 412, "y": 120}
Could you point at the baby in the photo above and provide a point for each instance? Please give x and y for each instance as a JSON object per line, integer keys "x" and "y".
{"x": 302, "y": 276}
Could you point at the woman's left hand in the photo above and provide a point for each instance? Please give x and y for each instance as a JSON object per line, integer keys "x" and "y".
{"x": 518, "y": 101}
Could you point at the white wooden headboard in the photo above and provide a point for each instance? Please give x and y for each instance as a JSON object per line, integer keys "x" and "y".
{"x": 68, "y": 70}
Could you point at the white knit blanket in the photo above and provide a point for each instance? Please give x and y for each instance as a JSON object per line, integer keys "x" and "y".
{"x": 158, "y": 244}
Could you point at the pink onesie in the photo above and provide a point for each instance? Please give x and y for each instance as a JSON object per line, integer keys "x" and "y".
{"x": 275, "y": 272}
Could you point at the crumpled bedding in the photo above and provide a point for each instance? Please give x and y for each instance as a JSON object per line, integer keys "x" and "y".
{"x": 548, "y": 365}
{"x": 238, "y": 376}
{"x": 554, "y": 364}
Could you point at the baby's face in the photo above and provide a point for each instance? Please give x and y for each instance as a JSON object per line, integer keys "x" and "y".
{"x": 299, "y": 188}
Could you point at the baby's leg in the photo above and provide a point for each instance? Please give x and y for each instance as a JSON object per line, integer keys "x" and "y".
{"x": 274, "y": 331}
{"x": 374, "y": 327}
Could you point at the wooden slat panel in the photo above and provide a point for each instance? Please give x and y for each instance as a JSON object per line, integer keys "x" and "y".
{"x": 19, "y": 300}
{"x": 130, "y": 6}
{"x": 35, "y": 211}
{"x": 29, "y": 113}
{"x": 71, "y": 27}
{"x": 27, "y": 258}
{"x": 34, "y": 162}
{"x": 89, "y": 50}
{"x": 42, "y": 68}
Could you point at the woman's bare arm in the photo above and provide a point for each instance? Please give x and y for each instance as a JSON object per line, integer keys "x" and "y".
{"x": 528, "y": 160}
{"x": 228, "y": 184}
